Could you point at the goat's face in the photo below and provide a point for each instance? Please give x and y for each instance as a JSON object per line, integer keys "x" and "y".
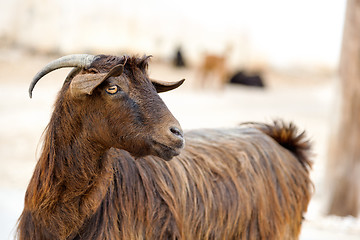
{"x": 118, "y": 106}
{"x": 127, "y": 109}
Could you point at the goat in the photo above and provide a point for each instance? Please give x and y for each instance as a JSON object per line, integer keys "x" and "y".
{"x": 100, "y": 174}
{"x": 254, "y": 80}
{"x": 179, "y": 60}
{"x": 212, "y": 71}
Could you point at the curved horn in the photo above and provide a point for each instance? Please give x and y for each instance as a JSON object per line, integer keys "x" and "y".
{"x": 74, "y": 60}
{"x": 162, "y": 86}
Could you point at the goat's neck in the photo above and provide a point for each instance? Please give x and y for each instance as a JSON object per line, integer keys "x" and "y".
{"x": 71, "y": 161}
{"x": 71, "y": 177}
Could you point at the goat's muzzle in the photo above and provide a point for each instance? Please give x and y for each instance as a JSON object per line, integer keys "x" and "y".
{"x": 172, "y": 144}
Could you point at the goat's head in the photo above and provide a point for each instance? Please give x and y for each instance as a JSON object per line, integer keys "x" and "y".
{"x": 115, "y": 103}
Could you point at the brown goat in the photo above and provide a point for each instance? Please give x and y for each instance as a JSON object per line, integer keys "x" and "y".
{"x": 94, "y": 181}
{"x": 212, "y": 72}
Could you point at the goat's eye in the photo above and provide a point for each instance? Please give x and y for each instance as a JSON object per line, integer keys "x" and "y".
{"x": 112, "y": 89}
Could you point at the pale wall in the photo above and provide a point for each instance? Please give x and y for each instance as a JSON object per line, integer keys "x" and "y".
{"x": 279, "y": 32}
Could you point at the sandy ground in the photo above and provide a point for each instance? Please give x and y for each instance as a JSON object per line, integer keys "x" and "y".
{"x": 308, "y": 100}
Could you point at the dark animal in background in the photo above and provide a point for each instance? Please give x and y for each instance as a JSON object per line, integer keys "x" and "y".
{"x": 254, "y": 80}
{"x": 102, "y": 175}
{"x": 179, "y": 60}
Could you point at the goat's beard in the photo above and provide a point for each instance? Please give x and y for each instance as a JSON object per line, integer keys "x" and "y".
{"x": 164, "y": 151}
{"x": 143, "y": 148}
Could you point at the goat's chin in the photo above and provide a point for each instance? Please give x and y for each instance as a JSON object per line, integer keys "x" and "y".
{"x": 165, "y": 152}
{"x": 167, "y": 156}
{"x": 157, "y": 149}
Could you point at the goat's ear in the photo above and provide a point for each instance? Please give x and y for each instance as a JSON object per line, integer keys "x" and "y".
{"x": 162, "y": 86}
{"x": 85, "y": 84}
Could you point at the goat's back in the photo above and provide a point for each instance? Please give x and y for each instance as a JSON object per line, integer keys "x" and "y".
{"x": 226, "y": 184}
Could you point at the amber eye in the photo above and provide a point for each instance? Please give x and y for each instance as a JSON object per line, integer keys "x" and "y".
{"x": 112, "y": 89}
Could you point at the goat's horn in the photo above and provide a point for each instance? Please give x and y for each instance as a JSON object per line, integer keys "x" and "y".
{"x": 74, "y": 60}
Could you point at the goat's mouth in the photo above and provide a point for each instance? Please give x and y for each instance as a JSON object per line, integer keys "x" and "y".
{"x": 166, "y": 152}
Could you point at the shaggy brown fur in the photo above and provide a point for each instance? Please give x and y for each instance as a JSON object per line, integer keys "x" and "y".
{"x": 250, "y": 182}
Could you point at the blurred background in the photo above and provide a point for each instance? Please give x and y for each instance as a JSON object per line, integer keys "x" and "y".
{"x": 243, "y": 60}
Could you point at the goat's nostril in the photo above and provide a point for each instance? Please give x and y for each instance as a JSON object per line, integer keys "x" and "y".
{"x": 176, "y": 131}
